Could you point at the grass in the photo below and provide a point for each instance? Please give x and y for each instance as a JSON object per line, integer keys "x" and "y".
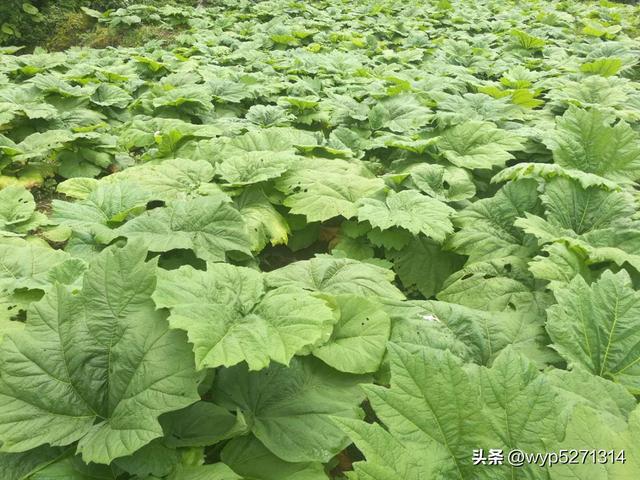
{"x": 63, "y": 27}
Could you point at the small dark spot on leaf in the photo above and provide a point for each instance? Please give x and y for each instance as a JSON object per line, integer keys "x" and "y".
{"x": 155, "y": 204}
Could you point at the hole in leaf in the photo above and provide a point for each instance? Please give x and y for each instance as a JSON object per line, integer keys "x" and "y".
{"x": 155, "y": 204}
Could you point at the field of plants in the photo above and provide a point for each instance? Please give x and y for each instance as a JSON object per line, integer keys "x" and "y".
{"x": 365, "y": 240}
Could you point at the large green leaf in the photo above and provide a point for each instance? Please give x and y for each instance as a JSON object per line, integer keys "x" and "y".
{"x": 16, "y": 206}
{"x": 269, "y": 140}
{"x": 597, "y": 225}
{"x": 589, "y": 428}
{"x": 342, "y": 185}
{"x": 503, "y": 284}
{"x": 73, "y": 468}
{"x": 585, "y": 140}
{"x": 26, "y": 269}
{"x": 573, "y": 210}
{"x": 579, "y": 387}
{"x": 548, "y": 171}
{"x": 410, "y": 210}
{"x": 216, "y": 471}
{"x": 359, "y": 339}
{"x": 104, "y": 362}
{"x": 594, "y": 327}
{"x": 423, "y": 264}
{"x": 264, "y": 223}
{"x": 107, "y": 95}
{"x": 437, "y": 407}
{"x": 402, "y": 113}
{"x": 444, "y": 183}
{"x": 432, "y": 401}
{"x": 478, "y": 145}
{"x": 106, "y": 207}
{"x": 210, "y": 226}
{"x": 328, "y": 274}
{"x": 155, "y": 459}
{"x": 201, "y": 424}
{"x": 291, "y": 407}
{"x": 17, "y": 211}
{"x": 249, "y": 457}
{"x": 28, "y": 264}
{"x": 559, "y": 264}
{"x": 474, "y": 335}
{"x": 17, "y": 466}
{"x": 486, "y": 228}
{"x": 255, "y": 167}
{"x": 522, "y": 409}
{"x": 229, "y": 316}
{"x": 389, "y": 459}
{"x": 171, "y": 179}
